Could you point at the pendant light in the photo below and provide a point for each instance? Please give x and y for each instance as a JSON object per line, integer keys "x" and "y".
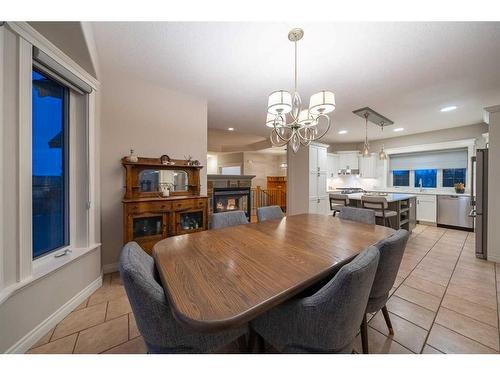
{"x": 382, "y": 155}
{"x": 366, "y": 147}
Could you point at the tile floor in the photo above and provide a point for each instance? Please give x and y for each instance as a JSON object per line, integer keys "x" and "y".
{"x": 444, "y": 301}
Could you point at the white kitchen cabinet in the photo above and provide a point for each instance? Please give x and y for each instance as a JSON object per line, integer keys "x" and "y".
{"x": 368, "y": 166}
{"x": 348, "y": 159}
{"x": 426, "y": 208}
{"x": 332, "y": 165}
{"x": 318, "y": 195}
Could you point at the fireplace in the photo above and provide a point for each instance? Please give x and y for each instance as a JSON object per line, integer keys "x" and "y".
{"x": 231, "y": 199}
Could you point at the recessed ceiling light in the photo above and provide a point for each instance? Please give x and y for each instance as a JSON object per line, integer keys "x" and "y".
{"x": 343, "y": 132}
{"x": 399, "y": 129}
{"x": 448, "y": 109}
{"x": 230, "y": 129}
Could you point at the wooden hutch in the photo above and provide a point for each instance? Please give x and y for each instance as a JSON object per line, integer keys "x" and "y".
{"x": 149, "y": 215}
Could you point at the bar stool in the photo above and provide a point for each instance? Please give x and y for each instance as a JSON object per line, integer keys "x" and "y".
{"x": 380, "y": 206}
{"x": 337, "y": 201}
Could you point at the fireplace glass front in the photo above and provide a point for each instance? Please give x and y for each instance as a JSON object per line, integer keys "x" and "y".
{"x": 231, "y": 199}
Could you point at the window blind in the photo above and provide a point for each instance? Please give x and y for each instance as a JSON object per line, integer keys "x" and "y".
{"x": 456, "y": 158}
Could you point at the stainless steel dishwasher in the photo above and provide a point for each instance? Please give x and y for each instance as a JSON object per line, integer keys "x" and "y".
{"x": 453, "y": 210}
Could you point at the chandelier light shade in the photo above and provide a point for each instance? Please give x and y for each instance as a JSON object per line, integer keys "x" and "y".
{"x": 280, "y": 102}
{"x": 290, "y": 122}
{"x": 306, "y": 119}
{"x": 322, "y": 102}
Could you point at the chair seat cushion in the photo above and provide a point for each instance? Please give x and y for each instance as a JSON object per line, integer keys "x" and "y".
{"x": 387, "y": 213}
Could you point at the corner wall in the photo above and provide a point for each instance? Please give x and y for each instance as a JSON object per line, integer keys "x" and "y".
{"x": 493, "y": 184}
{"x": 153, "y": 121}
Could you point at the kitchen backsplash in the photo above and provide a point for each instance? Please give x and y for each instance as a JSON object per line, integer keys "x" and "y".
{"x": 353, "y": 181}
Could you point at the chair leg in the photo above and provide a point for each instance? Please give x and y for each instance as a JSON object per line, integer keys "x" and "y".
{"x": 387, "y": 320}
{"x": 242, "y": 344}
{"x": 364, "y": 335}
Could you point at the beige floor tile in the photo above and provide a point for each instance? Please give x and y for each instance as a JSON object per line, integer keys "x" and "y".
{"x": 480, "y": 332}
{"x": 103, "y": 337}
{"x": 480, "y": 296}
{"x": 132, "y": 327}
{"x": 107, "y": 293}
{"x": 61, "y": 346}
{"x": 45, "y": 338}
{"x": 79, "y": 320}
{"x": 433, "y": 277}
{"x": 418, "y": 297}
{"x": 82, "y": 305}
{"x": 448, "y": 341}
{"x": 106, "y": 279}
{"x": 116, "y": 279}
{"x": 398, "y": 282}
{"x": 435, "y": 268}
{"x": 472, "y": 310}
{"x": 134, "y": 346}
{"x": 418, "y": 315}
{"x": 380, "y": 344}
{"x": 425, "y": 286}
{"x": 117, "y": 307}
{"x": 430, "y": 350}
{"x": 407, "y": 334}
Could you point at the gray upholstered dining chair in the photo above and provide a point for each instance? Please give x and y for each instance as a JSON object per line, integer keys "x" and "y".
{"x": 391, "y": 253}
{"x": 337, "y": 201}
{"x": 380, "y": 206}
{"x": 328, "y": 320}
{"x": 161, "y": 332}
{"x": 361, "y": 215}
{"x": 269, "y": 213}
{"x": 228, "y": 219}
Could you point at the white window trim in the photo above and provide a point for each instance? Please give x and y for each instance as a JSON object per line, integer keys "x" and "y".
{"x": 29, "y": 269}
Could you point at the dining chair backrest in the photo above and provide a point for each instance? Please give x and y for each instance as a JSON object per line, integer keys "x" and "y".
{"x": 161, "y": 332}
{"x": 333, "y": 314}
{"x": 361, "y": 215}
{"x": 269, "y": 213}
{"x": 374, "y": 202}
{"x": 228, "y": 219}
{"x": 391, "y": 253}
{"x": 338, "y": 200}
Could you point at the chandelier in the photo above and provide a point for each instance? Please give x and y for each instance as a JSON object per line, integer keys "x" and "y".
{"x": 370, "y": 115}
{"x": 291, "y": 123}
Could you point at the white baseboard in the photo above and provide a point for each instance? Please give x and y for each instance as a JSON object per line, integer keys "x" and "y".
{"x": 109, "y": 268}
{"x": 32, "y": 337}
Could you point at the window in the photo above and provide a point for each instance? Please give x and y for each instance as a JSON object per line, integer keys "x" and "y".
{"x": 454, "y": 176}
{"x": 427, "y": 177}
{"x": 400, "y": 178}
{"x": 49, "y": 164}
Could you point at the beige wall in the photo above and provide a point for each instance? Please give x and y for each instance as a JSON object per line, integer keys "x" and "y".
{"x": 493, "y": 184}
{"x": 452, "y": 134}
{"x": 262, "y": 165}
{"x": 153, "y": 121}
{"x": 298, "y": 181}
{"x": 231, "y": 159}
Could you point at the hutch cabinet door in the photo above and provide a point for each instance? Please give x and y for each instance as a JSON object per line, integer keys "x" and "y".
{"x": 190, "y": 221}
{"x": 147, "y": 229}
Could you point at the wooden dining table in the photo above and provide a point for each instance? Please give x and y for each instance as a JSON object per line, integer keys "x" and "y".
{"x": 223, "y": 278}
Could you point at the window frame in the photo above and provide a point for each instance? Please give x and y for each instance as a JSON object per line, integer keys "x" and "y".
{"x": 427, "y": 187}
{"x": 409, "y": 177}
{"x": 454, "y": 178}
{"x": 66, "y": 155}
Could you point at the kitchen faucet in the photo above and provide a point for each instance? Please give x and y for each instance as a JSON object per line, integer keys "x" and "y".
{"x": 420, "y": 184}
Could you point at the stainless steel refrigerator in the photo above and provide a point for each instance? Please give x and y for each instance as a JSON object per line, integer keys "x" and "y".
{"x": 479, "y": 195}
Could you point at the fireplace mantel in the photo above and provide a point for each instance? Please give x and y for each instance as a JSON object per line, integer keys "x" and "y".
{"x": 229, "y": 177}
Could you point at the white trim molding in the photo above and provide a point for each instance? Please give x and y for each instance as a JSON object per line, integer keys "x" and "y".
{"x": 24, "y": 234}
{"x": 29, "y": 34}
{"x": 2, "y": 127}
{"x": 32, "y": 337}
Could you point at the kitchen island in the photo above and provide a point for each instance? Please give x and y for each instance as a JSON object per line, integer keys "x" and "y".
{"x": 404, "y": 204}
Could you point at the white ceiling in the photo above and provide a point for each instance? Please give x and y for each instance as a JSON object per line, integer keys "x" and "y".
{"x": 405, "y": 71}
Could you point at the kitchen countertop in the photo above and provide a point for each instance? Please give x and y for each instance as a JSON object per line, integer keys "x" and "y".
{"x": 414, "y": 192}
{"x": 391, "y": 197}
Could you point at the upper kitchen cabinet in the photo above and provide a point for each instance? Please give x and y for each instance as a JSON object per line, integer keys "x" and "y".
{"x": 348, "y": 160}
{"x": 332, "y": 165}
{"x": 368, "y": 166}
